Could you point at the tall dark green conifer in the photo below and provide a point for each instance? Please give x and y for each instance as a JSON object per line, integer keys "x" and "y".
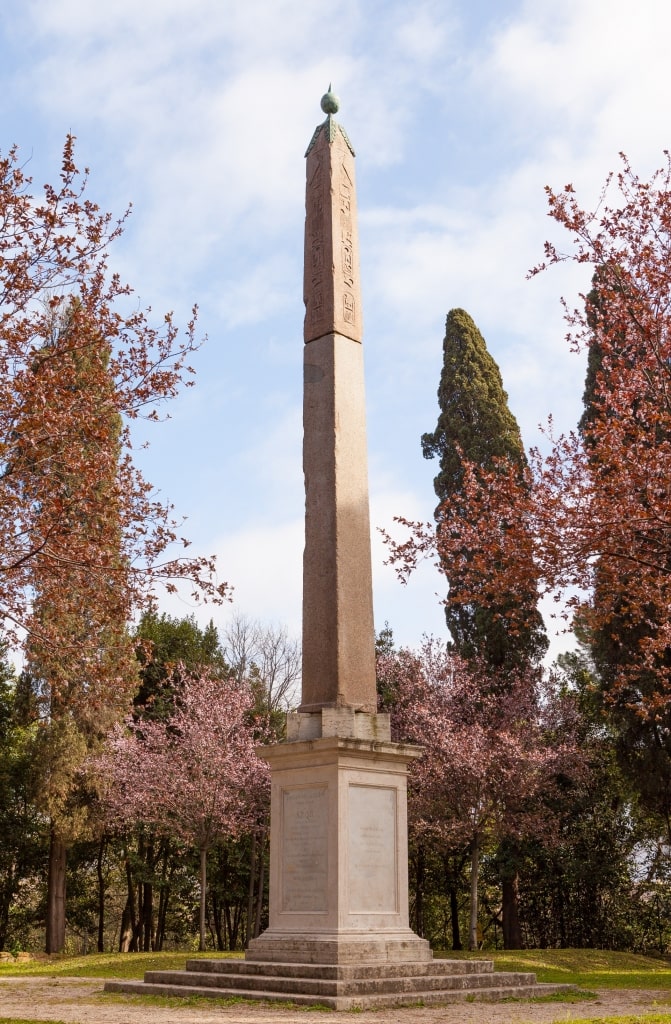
{"x": 476, "y": 426}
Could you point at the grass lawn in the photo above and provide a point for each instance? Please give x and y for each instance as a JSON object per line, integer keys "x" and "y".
{"x": 646, "y": 1018}
{"x": 103, "y": 965}
{"x": 587, "y": 968}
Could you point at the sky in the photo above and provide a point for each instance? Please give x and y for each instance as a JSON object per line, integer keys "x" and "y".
{"x": 460, "y": 112}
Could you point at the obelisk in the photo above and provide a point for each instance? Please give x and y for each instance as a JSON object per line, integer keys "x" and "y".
{"x": 338, "y": 634}
{"x": 338, "y": 838}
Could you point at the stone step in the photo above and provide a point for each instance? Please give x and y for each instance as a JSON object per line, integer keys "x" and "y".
{"x": 317, "y": 987}
{"x": 339, "y": 971}
{"x": 340, "y": 1002}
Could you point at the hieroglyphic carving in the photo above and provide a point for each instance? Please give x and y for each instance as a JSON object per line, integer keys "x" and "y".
{"x": 331, "y": 283}
{"x": 347, "y": 247}
{"x": 330, "y": 129}
{"x": 314, "y": 246}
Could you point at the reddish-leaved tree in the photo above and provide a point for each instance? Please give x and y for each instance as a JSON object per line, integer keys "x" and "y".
{"x": 84, "y": 541}
{"x": 53, "y": 272}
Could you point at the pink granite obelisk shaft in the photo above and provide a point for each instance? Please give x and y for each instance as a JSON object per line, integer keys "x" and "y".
{"x": 338, "y": 632}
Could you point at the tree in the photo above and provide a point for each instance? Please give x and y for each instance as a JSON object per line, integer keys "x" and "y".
{"x": 477, "y": 432}
{"x": 603, "y": 505}
{"x": 166, "y": 649}
{"x": 84, "y": 542}
{"x": 266, "y": 657}
{"x": 580, "y": 884}
{"x": 21, "y": 827}
{"x": 162, "y": 644}
{"x": 486, "y": 762}
{"x": 484, "y": 489}
{"x": 200, "y": 780}
{"x": 53, "y": 271}
{"x": 84, "y": 683}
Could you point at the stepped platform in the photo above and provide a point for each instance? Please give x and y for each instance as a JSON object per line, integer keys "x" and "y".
{"x": 341, "y": 986}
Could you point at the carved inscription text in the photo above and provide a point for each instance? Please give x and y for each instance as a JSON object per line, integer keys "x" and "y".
{"x": 305, "y": 850}
{"x": 373, "y": 884}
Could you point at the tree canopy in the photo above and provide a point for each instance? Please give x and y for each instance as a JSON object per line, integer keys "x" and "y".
{"x": 478, "y": 435}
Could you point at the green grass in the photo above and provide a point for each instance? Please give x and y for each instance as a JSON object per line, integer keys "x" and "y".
{"x": 203, "y": 1002}
{"x": 646, "y": 1018}
{"x": 166, "y": 1001}
{"x": 104, "y": 965}
{"x": 586, "y": 968}
{"x": 574, "y": 995}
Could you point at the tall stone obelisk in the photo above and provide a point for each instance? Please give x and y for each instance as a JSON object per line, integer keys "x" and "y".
{"x": 338, "y": 843}
{"x": 338, "y": 634}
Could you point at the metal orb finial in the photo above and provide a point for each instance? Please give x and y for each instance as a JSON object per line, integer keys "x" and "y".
{"x": 330, "y": 102}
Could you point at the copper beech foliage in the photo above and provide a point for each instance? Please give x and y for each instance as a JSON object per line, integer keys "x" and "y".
{"x": 78, "y": 363}
{"x": 593, "y": 518}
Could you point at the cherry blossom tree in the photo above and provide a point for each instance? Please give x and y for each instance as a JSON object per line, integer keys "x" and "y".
{"x": 487, "y": 760}
{"x": 194, "y": 776}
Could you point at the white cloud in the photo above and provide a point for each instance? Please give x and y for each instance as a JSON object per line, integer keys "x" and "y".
{"x": 460, "y": 113}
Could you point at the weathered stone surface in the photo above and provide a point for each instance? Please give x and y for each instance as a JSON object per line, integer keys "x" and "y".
{"x": 342, "y": 986}
{"x": 342, "y": 721}
{"x": 331, "y": 288}
{"x": 338, "y": 630}
{"x": 338, "y": 852}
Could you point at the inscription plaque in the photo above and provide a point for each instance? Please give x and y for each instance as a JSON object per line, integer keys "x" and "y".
{"x": 372, "y": 850}
{"x": 305, "y": 850}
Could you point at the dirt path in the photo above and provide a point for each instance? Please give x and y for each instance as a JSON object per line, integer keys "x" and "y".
{"x": 80, "y": 1001}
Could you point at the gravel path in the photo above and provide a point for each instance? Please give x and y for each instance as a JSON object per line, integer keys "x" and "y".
{"x": 80, "y": 1001}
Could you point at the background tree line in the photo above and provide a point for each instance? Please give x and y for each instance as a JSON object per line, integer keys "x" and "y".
{"x": 173, "y": 807}
{"x": 587, "y": 522}
{"x": 133, "y": 809}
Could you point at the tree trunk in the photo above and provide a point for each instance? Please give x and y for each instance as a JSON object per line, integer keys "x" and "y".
{"x": 6, "y": 898}
{"x": 262, "y": 885}
{"x": 234, "y": 926}
{"x": 218, "y": 915}
{"x": 250, "y": 893}
{"x": 203, "y": 896}
{"x": 512, "y": 931}
{"x": 55, "y": 939}
{"x": 164, "y": 895}
{"x": 101, "y": 894}
{"x": 419, "y": 892}
{"x": 475, "y": 868}
{"x": 127, "y": 934}
{"x": 454, "y": 918}
{"x": 148, "y": 916}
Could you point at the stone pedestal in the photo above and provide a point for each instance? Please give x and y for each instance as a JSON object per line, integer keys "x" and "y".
{"x": 338, "y": 844}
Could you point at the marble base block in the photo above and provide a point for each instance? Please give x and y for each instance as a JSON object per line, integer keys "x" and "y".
{"x": 339, "y": 844}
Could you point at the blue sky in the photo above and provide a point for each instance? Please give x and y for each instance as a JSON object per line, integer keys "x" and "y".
{"x": 460, "y": 113}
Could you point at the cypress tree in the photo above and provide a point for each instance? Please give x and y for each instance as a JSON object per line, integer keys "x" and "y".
{"x": 476, "y": 427}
